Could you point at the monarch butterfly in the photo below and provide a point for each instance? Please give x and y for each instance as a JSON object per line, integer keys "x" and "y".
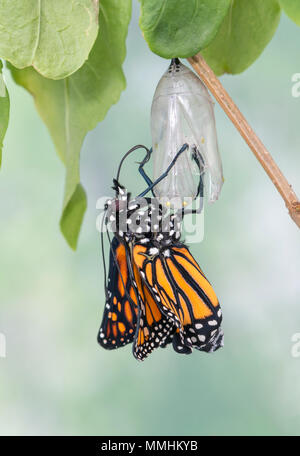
{"x": 156, "y": 293}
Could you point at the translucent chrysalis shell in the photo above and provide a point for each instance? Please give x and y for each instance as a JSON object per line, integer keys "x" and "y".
{"x": 182, "y": 112}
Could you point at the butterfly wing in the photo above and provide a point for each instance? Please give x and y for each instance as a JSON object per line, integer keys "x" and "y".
{"x": 200, "y": 309}
{"x": 120, "y": 313}
{"x": 154, "y": 328}
{"x": 183, "y": 294}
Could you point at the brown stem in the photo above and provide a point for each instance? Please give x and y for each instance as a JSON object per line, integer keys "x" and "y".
{"x": 255, "y": 144}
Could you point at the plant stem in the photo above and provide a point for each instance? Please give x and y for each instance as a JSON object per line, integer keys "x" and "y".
{"x": 255, "y": 144}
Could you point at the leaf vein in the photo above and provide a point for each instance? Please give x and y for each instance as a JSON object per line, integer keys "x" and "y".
{"x": 38, "y": 31}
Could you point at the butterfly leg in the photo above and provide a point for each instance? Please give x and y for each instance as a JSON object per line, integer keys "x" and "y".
{"x": 153, "y": 184}
{"x": 141, "y": 168}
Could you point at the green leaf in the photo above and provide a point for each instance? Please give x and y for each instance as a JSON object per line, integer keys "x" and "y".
{"x": 73, "y": 106}
{"x": 176, "y": 28}
{"x": 245, "y": 32}
{"x": 292, "y": 9}
{"x": 53, "y": 37}
{"x": 4, "y": 110}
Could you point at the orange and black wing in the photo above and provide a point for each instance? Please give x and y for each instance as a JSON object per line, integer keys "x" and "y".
{"x": 119, "y": 321}
{"x": 200, "y": 311}
{"x": 183, "y": 294}
{"x": 153, "y": 328}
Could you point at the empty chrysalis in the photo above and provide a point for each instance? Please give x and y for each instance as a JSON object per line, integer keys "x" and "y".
{"x": 182, "y": 113}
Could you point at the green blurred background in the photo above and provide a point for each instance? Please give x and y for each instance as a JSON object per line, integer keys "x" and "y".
{"x": 55, "y": 378}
